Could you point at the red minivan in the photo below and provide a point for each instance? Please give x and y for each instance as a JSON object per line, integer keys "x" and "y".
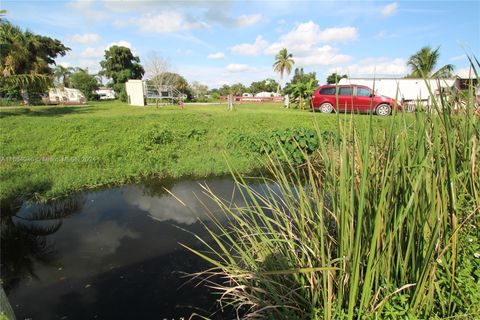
{"x": 354, "y": 98}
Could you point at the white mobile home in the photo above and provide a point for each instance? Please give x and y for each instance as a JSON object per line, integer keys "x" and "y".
{"x": 408, "y": 90}
{"x": 65, "y": 96}
{"x": 106, "y": 93}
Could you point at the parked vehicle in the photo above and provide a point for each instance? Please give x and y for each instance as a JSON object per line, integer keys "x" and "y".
{"x": 352, "y": 98}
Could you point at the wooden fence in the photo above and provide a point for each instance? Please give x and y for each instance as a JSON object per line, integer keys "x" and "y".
{"x": 240, "y": 99}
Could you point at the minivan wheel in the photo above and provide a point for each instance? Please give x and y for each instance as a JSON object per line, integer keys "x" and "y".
{"x": 383, "y": 110}
{"x": 326, "y": 107}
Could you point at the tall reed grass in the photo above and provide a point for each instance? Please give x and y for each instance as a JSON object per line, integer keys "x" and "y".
{"x": 372, "y": 226}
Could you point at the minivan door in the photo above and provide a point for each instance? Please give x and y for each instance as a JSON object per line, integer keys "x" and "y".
{"x": 345, "y": 98}
{"x": 363, "y": 99}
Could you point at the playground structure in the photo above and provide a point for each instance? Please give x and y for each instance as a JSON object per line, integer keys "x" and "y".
{"x": 140, "y": 93}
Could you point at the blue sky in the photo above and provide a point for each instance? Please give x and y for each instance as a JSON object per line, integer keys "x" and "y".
{"x": 224, "y": 42}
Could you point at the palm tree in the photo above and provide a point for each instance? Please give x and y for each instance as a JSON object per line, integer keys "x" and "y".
{"x": 62, "y": 74}
{"x": 423, "y": 64}
{"x": 18, "y": 65}
{"x": 283, "y": 63}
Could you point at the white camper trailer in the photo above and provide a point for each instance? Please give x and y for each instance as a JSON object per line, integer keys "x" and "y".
{"x": 410, "y": 91}
{"x": 65, "y": 96}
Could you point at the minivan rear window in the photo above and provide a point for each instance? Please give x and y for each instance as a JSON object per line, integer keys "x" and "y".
{"x": 328, "y": 91}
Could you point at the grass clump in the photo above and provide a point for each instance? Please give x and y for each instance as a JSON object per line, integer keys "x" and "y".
{"x": 371, "y": 226}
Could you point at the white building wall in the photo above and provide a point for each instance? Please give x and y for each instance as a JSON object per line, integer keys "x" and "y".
{"x": 135, "y": 92}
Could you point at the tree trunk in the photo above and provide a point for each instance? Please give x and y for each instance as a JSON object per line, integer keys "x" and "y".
{"x": 25, "y": 98}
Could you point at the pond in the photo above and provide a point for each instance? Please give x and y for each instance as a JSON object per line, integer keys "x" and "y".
{"x": 113, "y": 253}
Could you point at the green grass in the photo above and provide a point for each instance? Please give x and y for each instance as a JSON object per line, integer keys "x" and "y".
{"x": 51, "y": 151}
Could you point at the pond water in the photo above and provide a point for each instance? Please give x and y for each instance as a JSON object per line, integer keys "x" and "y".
{"x": 112, "y": 254}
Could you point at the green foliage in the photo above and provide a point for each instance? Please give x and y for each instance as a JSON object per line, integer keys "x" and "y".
{"x": 237, "y": 89}
{"x": 85, "y": 82}
{"x": 156, "y": 137}
{"x": 292, "y": 144}
{"x": 301, "y": 77}
{"x": 283, "y": 62}
{"x": 302, "y": 93}
{"x": 335, "y": 78}
{"x": 120, "y": 65}
{"x": 62, "y": 75}
{"x": 25, "y": 60}
{"x": 267, "y": 85}
{"x": 423, "y": 64}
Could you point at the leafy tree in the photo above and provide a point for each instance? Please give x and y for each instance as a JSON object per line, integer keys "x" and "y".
{"x": 198, "y": 90}
{"x": 25, "y": 60}
{"x": 283, "y": 63}
{"x": 223, "y": 90}
{"x": 237, "y": 89}
{"x": 335, "y": 78}
{"x": 423, "y": 64}
{"x": 302, "y": 92}
{"x": 120, "y": 65}
{"x": 267, "y": 85}
{"x": 301, "y": 77}
{"x": 85, "y": 82}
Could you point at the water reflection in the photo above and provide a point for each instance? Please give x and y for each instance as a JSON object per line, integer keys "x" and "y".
{"x": 188, "y": 203}
{"x": 24, "y": 238}
{"x": 110, "y": 254}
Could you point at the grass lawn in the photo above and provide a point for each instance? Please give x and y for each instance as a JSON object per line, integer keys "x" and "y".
{"x": 50, "y": 151}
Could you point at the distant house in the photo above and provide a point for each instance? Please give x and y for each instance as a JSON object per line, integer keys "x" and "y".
{"x": 106, "y": 93}
{"x": 267, "y": 94}
{"x": 64, "y": 96}
{"x": 247, "y": 95}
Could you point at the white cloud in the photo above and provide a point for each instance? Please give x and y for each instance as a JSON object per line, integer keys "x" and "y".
{"x": 325, "y": 55}
{"x": 218, "y": 55}
{"x": 235, "y": 67}
{"x": 303, "y": 40}
{"x": 459, "y": 58}
{"x": 389, "y": 9}
{"x": 163, "y": 22}
{"x": 248, "y": 20}
{"x": 304, "y": 36}
{"x": 121, "y": 43}
{"x": 84, "y": 7}
{"x": 97, "y": 52}
{"x": 338, "y": 34}
{"x": 92, "y": 52}
{"x": 248, "y": 49}
{"x": 87, "y": 38}
{"x": 379, "y": 67}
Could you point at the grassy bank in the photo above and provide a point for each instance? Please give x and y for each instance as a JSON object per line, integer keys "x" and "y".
{"x": 51, "y": 151}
